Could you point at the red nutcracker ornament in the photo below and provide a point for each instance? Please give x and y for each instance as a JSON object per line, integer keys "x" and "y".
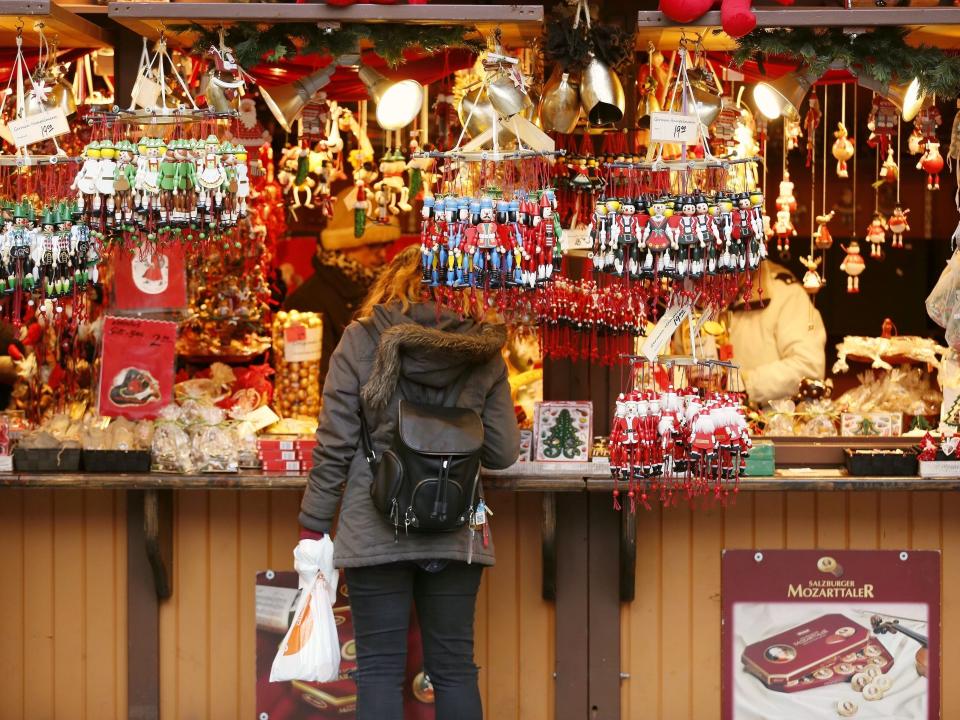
{"x": 931, "y": 162}
{"x": 877, "y": 235}
{"x": 852, "y": 265}
{"x": 842, "y": 150}
{"x": 822, "y": 237}
{"x": 898, "y": 226}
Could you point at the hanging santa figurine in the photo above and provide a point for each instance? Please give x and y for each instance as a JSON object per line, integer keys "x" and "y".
{"x": 877, "y": 235}
{"x": 784, "y": 230}
{"x": 842, "y": 149}
{"x": 852, "y": 265}
{"x": 931, "y": 162}
{"x": 898, "y": 226}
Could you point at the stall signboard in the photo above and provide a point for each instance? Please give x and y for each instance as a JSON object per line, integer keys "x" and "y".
{"x": 276, "y": 600}
{"x": 151, "y": 279}
{"x": 136, "y": 369}
{"x": 831, "y": 633}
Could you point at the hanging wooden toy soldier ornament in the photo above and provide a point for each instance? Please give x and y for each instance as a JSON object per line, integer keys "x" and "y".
{"x": 852, "y": 265}
{"x": 877, "y": 235}
{"x": 898, "y": 226}
{"x": 931, "y": 162}
{"x": 842, "y": 150}
{"x": 822, "y": 237}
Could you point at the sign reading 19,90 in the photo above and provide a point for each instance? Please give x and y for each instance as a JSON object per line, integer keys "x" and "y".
{"x": 673, "y": 127}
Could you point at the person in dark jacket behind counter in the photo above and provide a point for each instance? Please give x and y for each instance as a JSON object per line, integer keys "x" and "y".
{"x": 340, "y": 281}
{"x": 404, "y": 348}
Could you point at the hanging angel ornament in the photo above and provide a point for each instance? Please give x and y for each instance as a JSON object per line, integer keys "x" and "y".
{"x": 842, "y": 149}
{"x": 852, "y": 265}
{"x": 877, "y": 235}
{"x": 812, "y": 282}
{"x": 931, "y": 162}
{"x": 811, "y": 121}
{"x": 898, "y": 226}
{"x": 822, "y": 237}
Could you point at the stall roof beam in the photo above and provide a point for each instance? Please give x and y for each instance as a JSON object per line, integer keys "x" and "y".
{"x": 518, "y": 22}
{"x": 71, "y": 29}
{"x": 818, "y": 17}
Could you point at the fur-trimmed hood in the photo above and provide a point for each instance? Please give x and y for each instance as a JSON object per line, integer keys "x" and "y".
{"x": 426, "y": 348}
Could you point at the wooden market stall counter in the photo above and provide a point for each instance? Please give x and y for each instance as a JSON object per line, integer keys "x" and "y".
{"x": 562, "y": 627}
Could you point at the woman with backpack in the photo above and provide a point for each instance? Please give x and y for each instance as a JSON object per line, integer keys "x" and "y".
{"x": 416, "y": 398}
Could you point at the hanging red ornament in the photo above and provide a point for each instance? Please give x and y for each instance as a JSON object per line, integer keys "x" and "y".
{"x": 898, "y": 226}
{"x": 822, "y": 237}
{"x": 931, "y": 162}
{"x": 852, "y": 265}
{"x": 877, "y": 235}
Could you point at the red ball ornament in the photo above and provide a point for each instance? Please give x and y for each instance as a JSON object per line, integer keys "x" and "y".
{"x": 685, "y": 11}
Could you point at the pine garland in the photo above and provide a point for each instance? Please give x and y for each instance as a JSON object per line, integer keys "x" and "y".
{"x": 882, "y": 54}
{"x": 571, "y": 47}
{"x": 254, "y": 43}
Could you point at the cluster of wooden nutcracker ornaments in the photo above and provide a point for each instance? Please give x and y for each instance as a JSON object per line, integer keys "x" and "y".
{"x": 161, "y": 190}
{"x": 669, "y": 444}
{"x": 490, "y": 243}
{"x": 686, "y": 237}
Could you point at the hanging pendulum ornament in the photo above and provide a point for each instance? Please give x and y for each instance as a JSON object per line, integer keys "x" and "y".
{"x": 852, "y": 265}
{"x": 876, "y": 235}
{"x": 897, "y": 222}
{"x": 931, "y": 162}
{"x": 842, "y": 149}
{"x": 811, "y": 121}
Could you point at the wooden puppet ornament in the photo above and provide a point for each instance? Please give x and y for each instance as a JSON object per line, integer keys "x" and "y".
{"x": 898, "y": 226}
{"x": 931, "y": 162}
{"x": 812, "y": 282}
{"x": 784, "y": 230}
{"x": 888, "y": 171}
{"x": 786, "y": 197}
{"x": 811, "y": 121}
{"x": 877, "y": 235}
{"x": 852, "y": 265}
{"x": 822, "y": 237}
{"x": 842, "y": 150}
{"x": 792, "y": 132}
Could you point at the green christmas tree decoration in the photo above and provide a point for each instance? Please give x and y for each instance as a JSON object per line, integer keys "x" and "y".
{"x": 562, "y": 438}
{"x": 953, "y": 414}
{"x": 919, "y": 422}
{"x": 866, "y": 427}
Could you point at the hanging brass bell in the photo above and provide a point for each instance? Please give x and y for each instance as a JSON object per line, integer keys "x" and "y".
{"x": 560, "y": 105}
{"x": 507, "y": 97}
{"x": 601, "y": 94}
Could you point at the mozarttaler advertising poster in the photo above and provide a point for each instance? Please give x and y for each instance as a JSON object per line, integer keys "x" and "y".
{"x": 827, "y": 634}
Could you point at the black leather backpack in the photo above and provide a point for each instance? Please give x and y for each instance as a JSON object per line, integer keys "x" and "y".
{"x": 427, "y": 481}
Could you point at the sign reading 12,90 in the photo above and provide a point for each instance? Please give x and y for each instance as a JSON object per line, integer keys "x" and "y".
{"x": 673, "y": 127}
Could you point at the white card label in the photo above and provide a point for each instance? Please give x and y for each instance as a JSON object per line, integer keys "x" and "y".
{"x": 146, "y": 92}
{"x": 303, "y": 343}
{"x": 576, "y": 239}
{"x": 673, "y": 127}
{"x": 39, "y": 127}
{"x": 664, "y": 329}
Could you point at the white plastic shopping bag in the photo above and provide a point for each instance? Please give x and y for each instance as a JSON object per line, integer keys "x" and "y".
{"x": 311, "y": 649}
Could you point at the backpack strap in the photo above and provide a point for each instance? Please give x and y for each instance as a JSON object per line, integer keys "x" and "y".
{"x": 365, "y": 438}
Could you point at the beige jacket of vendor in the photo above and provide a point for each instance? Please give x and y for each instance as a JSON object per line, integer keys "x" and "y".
{"x": 777, "y": 341}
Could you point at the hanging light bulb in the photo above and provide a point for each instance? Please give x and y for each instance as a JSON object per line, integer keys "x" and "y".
{"x": 398, "y": 101}
{"x": 783, "y": 96}
{"x": 907, "y": 96}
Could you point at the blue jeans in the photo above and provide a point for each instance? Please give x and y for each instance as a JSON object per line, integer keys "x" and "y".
{"x": 380, "y": 599}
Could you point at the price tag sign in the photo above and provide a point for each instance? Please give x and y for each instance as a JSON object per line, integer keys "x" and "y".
{"x": 37, "y": 128}
{"x": 146, "y": 92}
{"x": 302, "y": 343}
{"x": 664, "y": 329}
{"x": 576, "y": 239}
{"x": 673, "y": 127}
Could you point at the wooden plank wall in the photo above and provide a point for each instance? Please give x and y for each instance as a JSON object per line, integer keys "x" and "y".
{"x": 674, "y": 623}
{"x": 63, "y": 621}
{"x": 63, "y": 644}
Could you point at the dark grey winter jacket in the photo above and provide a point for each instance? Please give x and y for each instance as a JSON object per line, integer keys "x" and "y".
{"x": 419, "y": 355}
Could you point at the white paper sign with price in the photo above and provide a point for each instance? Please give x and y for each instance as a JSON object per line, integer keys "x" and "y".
{"x": 303, "y": 344}
{"x": 666, "y": 326}
{"x": 37, "y": 128}
{"x": 674, "y": 127}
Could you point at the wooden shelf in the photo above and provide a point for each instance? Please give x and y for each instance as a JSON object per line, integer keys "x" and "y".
{"x": 934, "y": 25}
{"x": 518, "y": 23}
{"x": 70, "y": 29}
{"x": 517, "y": 478}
